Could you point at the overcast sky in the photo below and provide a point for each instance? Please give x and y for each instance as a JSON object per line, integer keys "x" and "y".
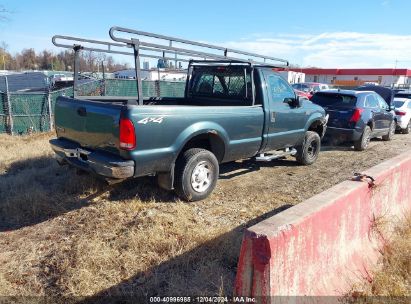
{"x": 368, "y": 33}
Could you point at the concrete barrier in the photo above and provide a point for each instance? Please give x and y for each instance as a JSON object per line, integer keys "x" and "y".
{"x": 324, "y": 244}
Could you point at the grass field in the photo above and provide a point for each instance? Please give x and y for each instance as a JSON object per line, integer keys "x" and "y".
{"x": 391, "y": 278}
{"x": 63, "y": 234}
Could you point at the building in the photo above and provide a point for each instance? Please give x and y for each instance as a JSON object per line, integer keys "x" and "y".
{"x": 356, "y": 77}
{"x": 154, "y": 74}
{"x": 292, "y": 76}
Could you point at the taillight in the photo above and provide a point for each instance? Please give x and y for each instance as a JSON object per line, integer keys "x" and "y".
{"x": 127, "y": 134}
{"x": 356, "y": 115}
{"x": 400, "y": 113}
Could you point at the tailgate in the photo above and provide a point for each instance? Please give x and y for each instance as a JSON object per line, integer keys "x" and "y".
{"x": 92, "y": 124}
{"x": 339, "y": 106}
{"x": 339, "y": 117}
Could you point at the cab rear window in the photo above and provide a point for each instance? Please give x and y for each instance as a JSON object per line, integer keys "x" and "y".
{"x": 223, "y": 82}
{"x": 337, "y": 100}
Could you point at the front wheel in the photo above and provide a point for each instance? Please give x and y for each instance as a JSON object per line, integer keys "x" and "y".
{"x": 196, "y": 174}
{"x": 308, "y": 152}
{"x": 391, "y": 131}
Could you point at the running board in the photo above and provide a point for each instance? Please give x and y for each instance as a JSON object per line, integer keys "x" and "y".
{"x": 279, "y": 154}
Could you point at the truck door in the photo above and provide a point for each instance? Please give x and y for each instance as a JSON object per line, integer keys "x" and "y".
{"x": 286, "y": 123}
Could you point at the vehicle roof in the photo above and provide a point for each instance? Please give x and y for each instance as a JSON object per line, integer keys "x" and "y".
{"x": 345, "y": 92}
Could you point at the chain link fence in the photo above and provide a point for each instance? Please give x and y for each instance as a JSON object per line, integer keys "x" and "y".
{"x": 25, "y": 113}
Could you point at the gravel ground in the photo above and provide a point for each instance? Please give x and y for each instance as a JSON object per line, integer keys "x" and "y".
{"x": 68, "y": 235}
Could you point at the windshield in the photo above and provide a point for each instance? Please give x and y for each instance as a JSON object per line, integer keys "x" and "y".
{"x": 337, "y": 100}
{"x": 403, "y": 95}
{"x": 398, "y": 104}
{"x": 301, "y": 87}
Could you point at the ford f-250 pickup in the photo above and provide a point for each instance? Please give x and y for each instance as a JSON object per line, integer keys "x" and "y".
{"x": 231, "y": 110}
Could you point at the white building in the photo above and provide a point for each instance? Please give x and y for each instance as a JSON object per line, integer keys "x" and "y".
{"x": 356, "y": 77}
{"x": 292, "y": 76}
{"x": 154, "y": 74}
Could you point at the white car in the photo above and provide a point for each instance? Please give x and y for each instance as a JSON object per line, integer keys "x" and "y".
{"x": 402, "y": 103}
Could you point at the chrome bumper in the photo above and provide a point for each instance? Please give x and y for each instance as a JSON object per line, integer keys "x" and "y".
{"x": 103, "y": 164}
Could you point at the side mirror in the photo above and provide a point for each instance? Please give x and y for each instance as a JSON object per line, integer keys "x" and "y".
{"x": 391, "y": 108}
{"x": 293, "y": 102}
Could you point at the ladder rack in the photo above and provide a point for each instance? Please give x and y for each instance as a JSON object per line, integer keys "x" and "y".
{"x": 150, "y": 45}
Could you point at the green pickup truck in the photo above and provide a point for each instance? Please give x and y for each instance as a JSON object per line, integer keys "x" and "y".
{"x": 231, "y": 110}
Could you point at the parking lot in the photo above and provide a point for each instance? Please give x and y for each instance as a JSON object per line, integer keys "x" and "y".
{"x": 63, "y": 234}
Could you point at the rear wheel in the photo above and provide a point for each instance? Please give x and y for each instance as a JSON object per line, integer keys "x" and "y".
{"x": 391, "y": 131}
{"x": 196, "y": 174}
{"x": 363, "y": 142}
{"x": 308, "y": 152}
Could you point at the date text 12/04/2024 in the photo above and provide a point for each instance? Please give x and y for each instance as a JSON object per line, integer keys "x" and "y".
{"x": 202, "y": 299}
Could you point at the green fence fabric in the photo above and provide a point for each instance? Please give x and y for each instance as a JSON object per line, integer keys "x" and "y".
{"x": 128, "y": 87}
{"x": 30, "y": 111}
{"x": 172, "y": 88}
{"x": 3, "y": 113}
{"x": 64, "y": 92}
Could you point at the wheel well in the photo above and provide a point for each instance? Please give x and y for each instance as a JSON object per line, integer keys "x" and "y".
{"x": 208, "y": 141}
{"x": 317, "y": 126}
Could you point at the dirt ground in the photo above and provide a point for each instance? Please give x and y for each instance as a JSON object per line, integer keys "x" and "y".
{"x": 63, "y": 234}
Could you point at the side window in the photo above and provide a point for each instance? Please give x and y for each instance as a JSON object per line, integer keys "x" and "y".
{"x": 279, "y": 89}
{"x": 371, "y": 102}
{"x": 382, "y": 103}
{"x": 409, "y": 105}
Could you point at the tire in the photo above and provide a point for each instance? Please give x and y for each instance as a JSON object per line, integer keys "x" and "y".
{"x": 308, "y": 152}
{"x": 363, "y": 142}
{"x": 407, "y": 130}
{"x": 196, "y": 174}
{"x": 391, "y": 131}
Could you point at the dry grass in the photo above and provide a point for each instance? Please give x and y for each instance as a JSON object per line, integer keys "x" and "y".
{"x": 392, "y": 277}
{"x": 67, "y": 235}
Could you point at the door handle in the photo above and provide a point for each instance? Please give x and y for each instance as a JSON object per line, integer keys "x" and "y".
{"x": 82, "y": 111}
{"x": 272, "y": 118}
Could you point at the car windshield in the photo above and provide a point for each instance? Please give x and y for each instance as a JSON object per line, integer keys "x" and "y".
{"x": 398, "y": 104}
{"x": 403, "y": 95}
{"x": 336, "y": 100}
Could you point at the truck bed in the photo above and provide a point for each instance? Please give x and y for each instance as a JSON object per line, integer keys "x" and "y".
{"x": 161, "y": 127}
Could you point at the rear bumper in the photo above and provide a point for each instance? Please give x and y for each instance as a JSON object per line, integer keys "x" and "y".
{"x": 101, "y": 163}
{"x": 343, "y": 134}
{"x": 402, "y": 121}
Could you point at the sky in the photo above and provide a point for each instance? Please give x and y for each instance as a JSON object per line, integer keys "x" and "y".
{"x": 321, "y": 33}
